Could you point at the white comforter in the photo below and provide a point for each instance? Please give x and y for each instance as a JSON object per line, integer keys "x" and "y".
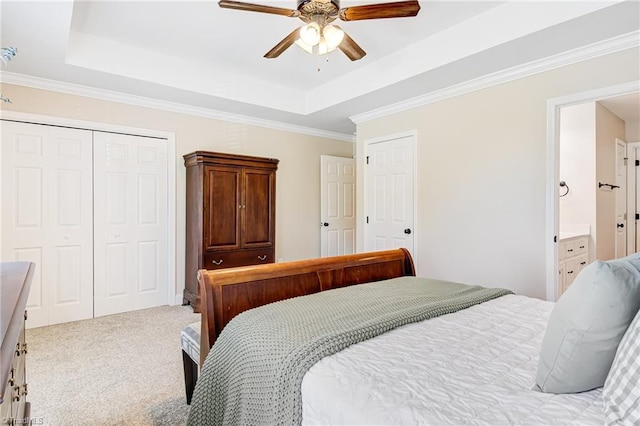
{"x": 476, "y": 366}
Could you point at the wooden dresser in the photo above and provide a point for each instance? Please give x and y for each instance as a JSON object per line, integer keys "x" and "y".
{"x": 15, "y": 283}
{"x": 230, "y": 214}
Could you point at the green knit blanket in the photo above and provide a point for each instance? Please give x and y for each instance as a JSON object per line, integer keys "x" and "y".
{"x": 254, "y": 371}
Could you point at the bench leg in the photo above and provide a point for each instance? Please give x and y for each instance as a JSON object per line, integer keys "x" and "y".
{"x": 190, "y": 375}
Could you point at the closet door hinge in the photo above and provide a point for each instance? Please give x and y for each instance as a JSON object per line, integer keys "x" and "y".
{"x": 637, "y": 163}
{"x": 367, "y": 219}
{"x": 367, "y": 159}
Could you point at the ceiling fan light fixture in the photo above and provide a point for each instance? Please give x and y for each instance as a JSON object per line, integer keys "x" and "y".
{"x": 304, "y": 46}
{"x": 310, "y": 34}
{"x": 323, "y": 47}
{"x": 333, "y": 36}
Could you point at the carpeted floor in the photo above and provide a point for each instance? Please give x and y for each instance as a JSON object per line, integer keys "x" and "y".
{"x": 123, "y": 369}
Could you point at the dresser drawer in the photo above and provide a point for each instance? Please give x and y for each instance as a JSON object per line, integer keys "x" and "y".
{"x": 220, "y": 260}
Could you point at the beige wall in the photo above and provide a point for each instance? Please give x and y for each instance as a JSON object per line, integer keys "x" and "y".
{"x": 298, "y": 176}
{"x": 577, "y": 163}
{"x": 632, "y": 131}
{"x": 608, "y": 127}
{"x": 482, "y": 174}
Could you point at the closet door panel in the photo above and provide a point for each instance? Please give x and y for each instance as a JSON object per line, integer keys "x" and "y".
{"x": 47, "y": 217}
{"x": 114, "y": 232}
{"x": 151, "y": 213}
{"x": 130, "y": 199}
{"x": 70, "y": 220}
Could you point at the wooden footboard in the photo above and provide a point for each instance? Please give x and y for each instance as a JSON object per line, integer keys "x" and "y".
{"x": 225, "y": 293}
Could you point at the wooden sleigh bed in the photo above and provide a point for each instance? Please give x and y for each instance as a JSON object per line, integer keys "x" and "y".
{"x": 473, "y": 365}
{"x": 224, "y": 293}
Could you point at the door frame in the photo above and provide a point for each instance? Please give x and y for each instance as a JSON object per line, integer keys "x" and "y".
{"x": 360, "y": 219}
{"x": 625, "y": 232}
{"x": 553, "y": 169}
{"x": 173, "y": 297}
{"x": 632, "y": 190}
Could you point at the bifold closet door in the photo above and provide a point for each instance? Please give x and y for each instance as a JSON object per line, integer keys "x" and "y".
{"x": 47, "y": 217}
{"x": 130, "y": 223}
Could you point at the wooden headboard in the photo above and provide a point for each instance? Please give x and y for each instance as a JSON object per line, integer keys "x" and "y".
{"x": 225, "y": 293}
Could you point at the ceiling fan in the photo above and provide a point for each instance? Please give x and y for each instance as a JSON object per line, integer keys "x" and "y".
{"x": 318, "y": 35}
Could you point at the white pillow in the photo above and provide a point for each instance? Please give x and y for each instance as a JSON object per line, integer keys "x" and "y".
{"x": 621, "y": 391}
{"x": 586, "y": 326}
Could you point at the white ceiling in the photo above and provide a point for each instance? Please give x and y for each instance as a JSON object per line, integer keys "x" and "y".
{"x": 197, "y": 54}
{"x": 627, "y": 107}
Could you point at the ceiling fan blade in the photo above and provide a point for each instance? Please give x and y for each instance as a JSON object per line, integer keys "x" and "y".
{"x": 283, "y": 45}
{"x": 401, "y": 9}
{"x": 350, "y": 48}
{"x": 251, "y": 7}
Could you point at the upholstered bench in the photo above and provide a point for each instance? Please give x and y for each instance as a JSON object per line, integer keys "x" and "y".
{"x": 190, "y": 341}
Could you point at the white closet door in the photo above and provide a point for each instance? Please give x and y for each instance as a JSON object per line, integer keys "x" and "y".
{"x": 47, "y": 217}
{"x": 130, "y": 225}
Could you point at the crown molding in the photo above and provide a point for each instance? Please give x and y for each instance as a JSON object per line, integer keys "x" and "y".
{"x": 124, "y": 98}
{"x": 613, "y": 45}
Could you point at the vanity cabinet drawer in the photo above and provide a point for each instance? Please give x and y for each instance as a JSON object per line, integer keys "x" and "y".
{"x": 567, "y": 249}
{"x": 581, "y": 246}
{"x": 573, "y": 257}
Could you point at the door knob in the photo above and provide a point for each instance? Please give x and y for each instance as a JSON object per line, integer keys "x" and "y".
{"x": 324, "y": 224}
{"x": 620, "y": 225}
{"x": 407, "y": 231}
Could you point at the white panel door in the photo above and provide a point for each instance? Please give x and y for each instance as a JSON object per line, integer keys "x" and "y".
{"x": 621, "y": 199}
{"x": 338, "y": 206}
{"x": 47, "y": 217}
{"x": 130, "y": 237}
{"x": 389, "y": 195}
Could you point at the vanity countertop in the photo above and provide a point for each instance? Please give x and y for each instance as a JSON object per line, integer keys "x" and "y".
{"x": 566, "y": 235}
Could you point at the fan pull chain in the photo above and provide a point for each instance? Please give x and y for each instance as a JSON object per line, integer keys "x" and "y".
{"x": 326, "y": 60}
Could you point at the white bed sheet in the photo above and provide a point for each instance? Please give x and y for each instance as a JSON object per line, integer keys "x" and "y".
{"x": 473, "y": 367}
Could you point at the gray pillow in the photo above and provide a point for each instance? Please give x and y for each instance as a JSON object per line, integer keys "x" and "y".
{"x": 586, "y": 325}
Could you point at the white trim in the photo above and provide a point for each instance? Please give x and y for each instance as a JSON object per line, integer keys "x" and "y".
{"x": 632, "y": 224}
{"x": 171, "y": 161}
{"x": 178, "y": 299}
{"x": 124, "y": 98}
{"x": 414, "y": 135}
{"x": 591, "y": 51}
{"x": 553, "y": 157}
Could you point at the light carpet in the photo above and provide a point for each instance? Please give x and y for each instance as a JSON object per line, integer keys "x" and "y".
{"x": 123, "y": 369}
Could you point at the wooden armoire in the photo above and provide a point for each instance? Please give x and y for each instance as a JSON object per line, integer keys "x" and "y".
{"x": 231, "y": 214}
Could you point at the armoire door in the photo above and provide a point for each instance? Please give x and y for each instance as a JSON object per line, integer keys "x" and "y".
{"x": 222, "y": 204}
{"x": 130, "y": 223}
{"x": 47, "y": 216}
{"x": 258, "y": 205}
